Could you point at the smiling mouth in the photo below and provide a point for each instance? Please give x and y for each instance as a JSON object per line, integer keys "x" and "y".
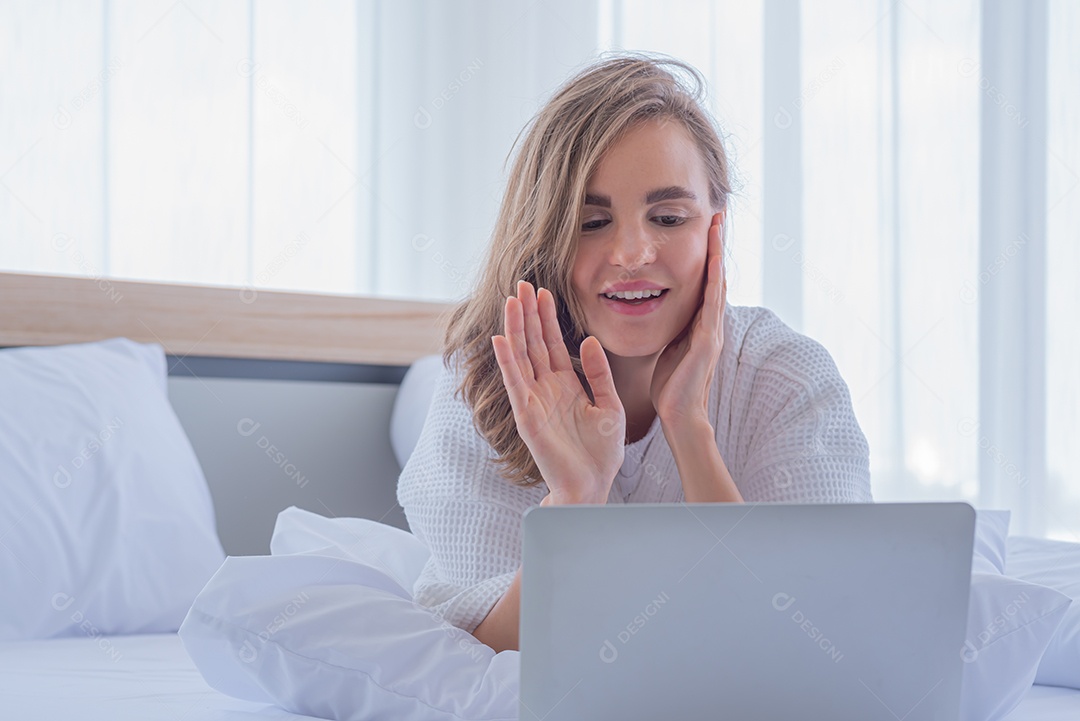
{"x": 634, "y": 307}
{"x": 634, "y": 301}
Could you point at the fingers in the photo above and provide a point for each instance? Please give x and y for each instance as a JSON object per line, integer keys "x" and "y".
{"x": 720, "y": 269}
{"x": 716, "y": 247}
{"x": 514, "y": 323}
{"x": 549, "y": 319}
{"x": 534, "y": 334}
{"x": 598, "y": 372}
{"x": 533, "y": 344}
{"x": 712, "y": 288}
{"x": 708, "y": 318}
{"x": 511, "y": 373}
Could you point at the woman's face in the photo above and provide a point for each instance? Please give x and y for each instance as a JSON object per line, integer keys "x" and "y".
{"x": 644, "y": 225}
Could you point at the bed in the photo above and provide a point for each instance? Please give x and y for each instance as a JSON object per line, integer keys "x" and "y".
{"x": 317, "y": 378}
{"x": 122, "y": 678}
{"x": 151, "y": 677}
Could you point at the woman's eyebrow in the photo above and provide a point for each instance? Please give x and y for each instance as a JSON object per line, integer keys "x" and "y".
{"x": 671, "y": 192}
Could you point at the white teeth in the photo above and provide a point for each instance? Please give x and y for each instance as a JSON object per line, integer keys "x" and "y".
{"x": 635, "y": 294}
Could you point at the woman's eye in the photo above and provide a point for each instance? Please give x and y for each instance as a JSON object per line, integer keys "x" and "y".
{"x": 667, "y": 221}
{"x": 670, "y": 221}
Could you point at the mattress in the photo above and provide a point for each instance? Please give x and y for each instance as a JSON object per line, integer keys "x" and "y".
{"x": 120, "y": 678}
{"x": 129, "y": 678}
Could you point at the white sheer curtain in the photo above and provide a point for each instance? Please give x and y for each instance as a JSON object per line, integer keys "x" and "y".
{"x": 349, "y": 147}
{"x": 358, "y": 147}
{"x": 1062, "y": 266}
{"x": 891, "y": 178}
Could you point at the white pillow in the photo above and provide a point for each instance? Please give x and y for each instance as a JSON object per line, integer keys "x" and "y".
{"x": 991, "y": 531}
{"x": 106, "y": 520}
{"x": 1010, "y": 622}
{"x": 999, "y": 665}
{"x": 411, "y": 405}
{"x": 1055, "y": 564}
{"x": 327, "y": 631}
{"x": 395, "y": 552}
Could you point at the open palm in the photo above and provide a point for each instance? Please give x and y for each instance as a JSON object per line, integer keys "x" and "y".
{"x": 577, "y": 443}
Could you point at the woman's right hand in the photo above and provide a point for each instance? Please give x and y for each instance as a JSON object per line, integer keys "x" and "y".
{"x": 577, "y": 444}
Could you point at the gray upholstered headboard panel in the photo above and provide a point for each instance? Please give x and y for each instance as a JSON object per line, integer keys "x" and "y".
{"x": 315, "y": 436}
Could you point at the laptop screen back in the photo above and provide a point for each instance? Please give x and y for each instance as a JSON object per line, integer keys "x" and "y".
{"x": 744, "y": 611}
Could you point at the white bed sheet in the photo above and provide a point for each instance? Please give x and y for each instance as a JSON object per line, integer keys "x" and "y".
{"x": 1048, "y": 703}
{"x": 135, "y": 678}
{"x": 120, "y": 678}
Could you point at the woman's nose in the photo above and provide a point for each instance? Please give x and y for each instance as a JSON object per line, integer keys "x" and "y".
{"x": 632, "y": 248}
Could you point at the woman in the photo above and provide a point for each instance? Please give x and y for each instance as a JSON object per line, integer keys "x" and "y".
{"x": 619, "y": 189}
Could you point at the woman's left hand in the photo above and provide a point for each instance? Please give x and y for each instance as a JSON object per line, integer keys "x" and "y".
{"x": 683, "y": 375}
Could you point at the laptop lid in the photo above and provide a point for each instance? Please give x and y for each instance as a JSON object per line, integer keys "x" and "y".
{"x": 744, "y": 611}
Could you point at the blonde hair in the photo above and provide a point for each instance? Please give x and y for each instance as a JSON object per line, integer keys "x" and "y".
{"x": 536, "y": 232}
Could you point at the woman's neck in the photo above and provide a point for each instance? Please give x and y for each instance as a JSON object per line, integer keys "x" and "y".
{"x": 633, "y": 379}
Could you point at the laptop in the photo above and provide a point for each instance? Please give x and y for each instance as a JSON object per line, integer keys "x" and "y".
{"x": 744, "y": 611}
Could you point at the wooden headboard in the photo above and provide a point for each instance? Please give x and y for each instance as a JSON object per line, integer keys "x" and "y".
{"x": 219, "y": 321}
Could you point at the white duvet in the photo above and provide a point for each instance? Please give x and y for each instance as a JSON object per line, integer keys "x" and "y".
{"x": 326, "y": 626}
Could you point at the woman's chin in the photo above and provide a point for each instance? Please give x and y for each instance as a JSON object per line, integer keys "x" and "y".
{"x": 625, "y": 348}
{"x": 632, "y": 342}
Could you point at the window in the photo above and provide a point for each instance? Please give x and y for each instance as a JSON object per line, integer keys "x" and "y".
{"x": 359, "y": 147}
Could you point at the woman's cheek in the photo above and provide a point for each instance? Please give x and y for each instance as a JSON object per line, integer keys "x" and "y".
{"x": 674, "y": 239}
